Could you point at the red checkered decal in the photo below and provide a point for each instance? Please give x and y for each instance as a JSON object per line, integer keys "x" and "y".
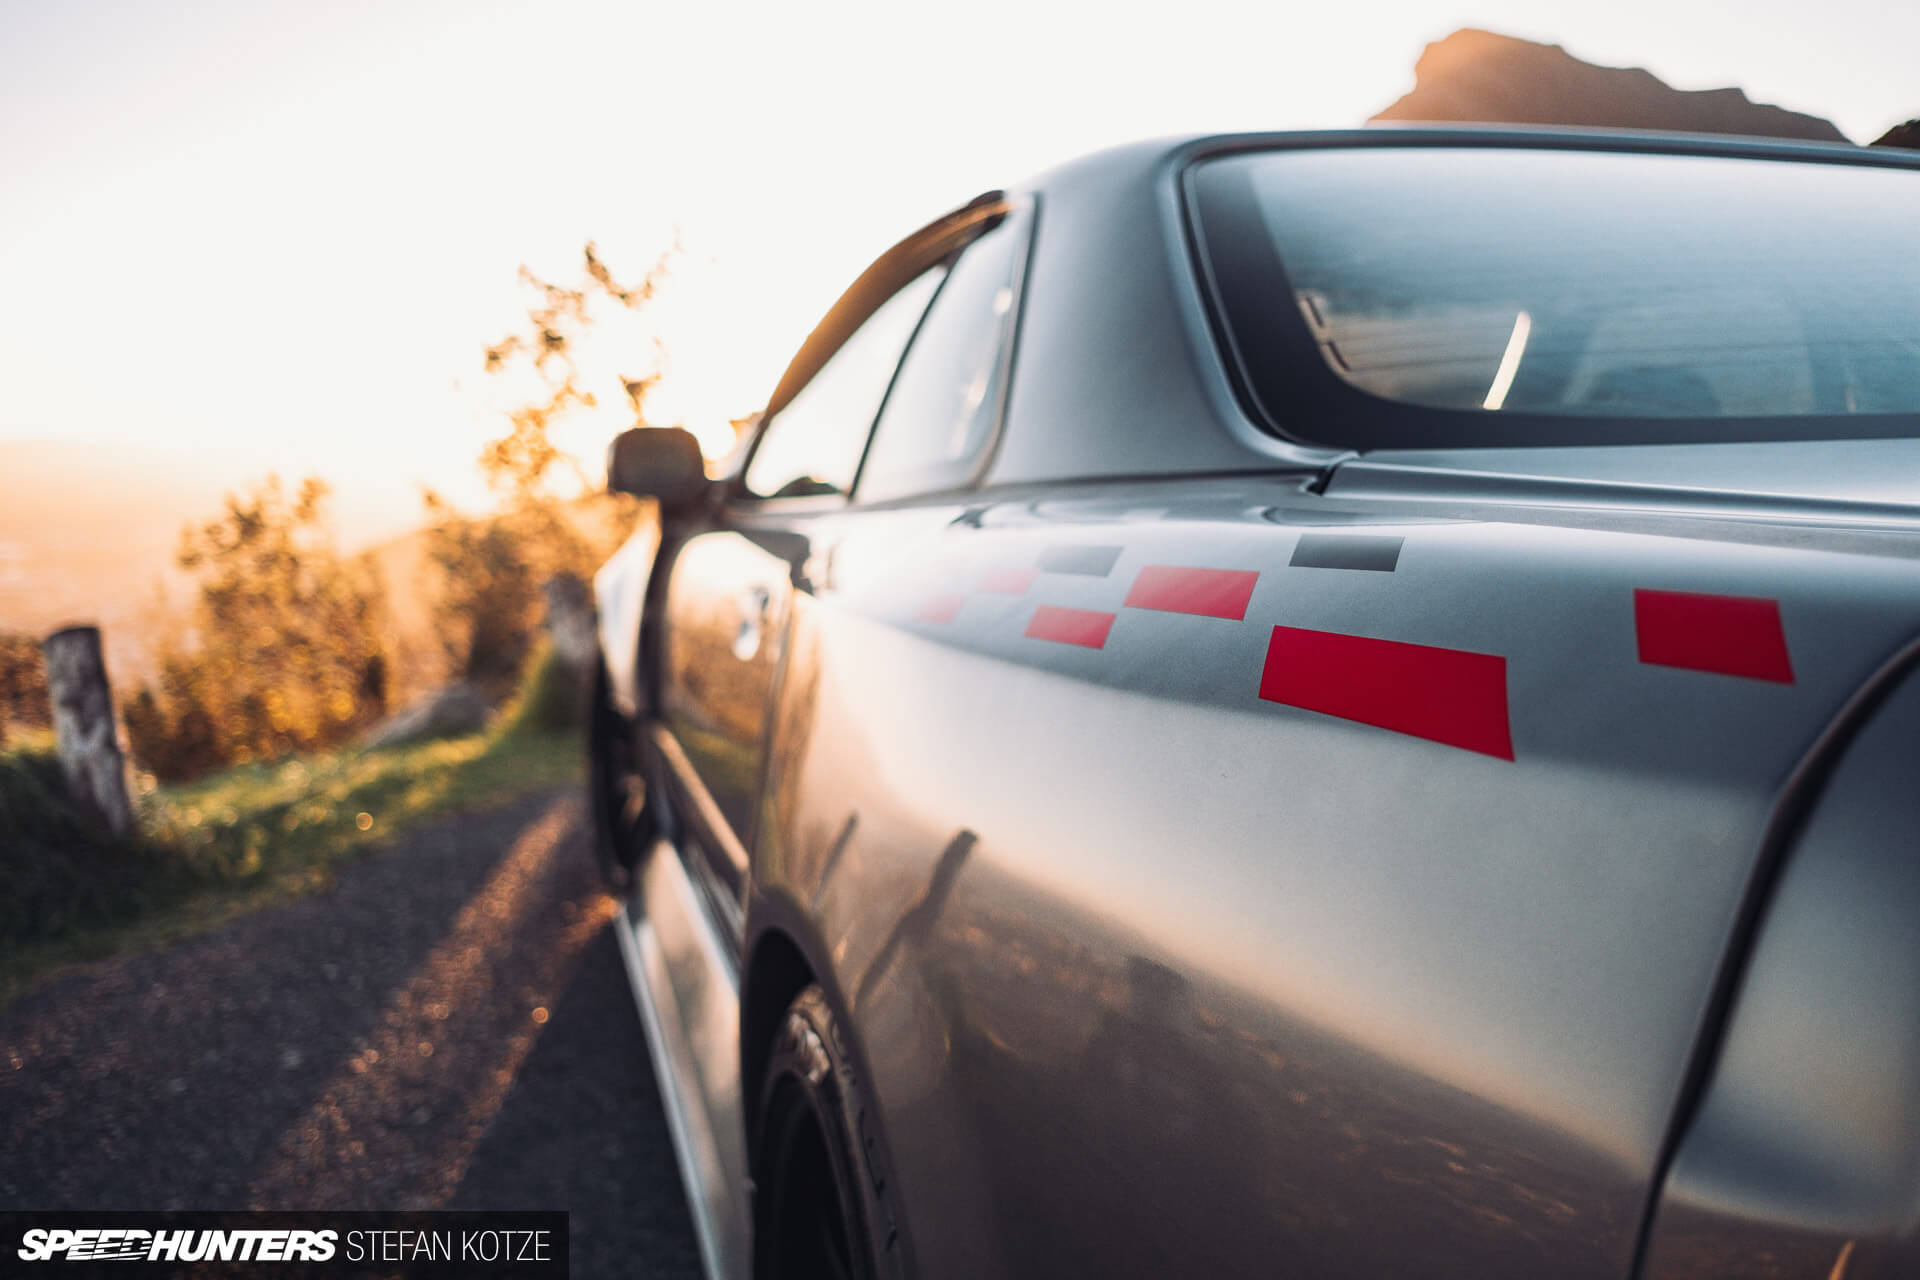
{"x": 1452, "y": 696}
{"x": 1445, "y": 695}
{"x": 1212, "y": 593}
{"x": 1087, "y": 627}
{"x": 1729, "y": 635}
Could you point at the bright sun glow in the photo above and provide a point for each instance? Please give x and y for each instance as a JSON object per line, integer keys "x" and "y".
{"x": 288, "y": 231}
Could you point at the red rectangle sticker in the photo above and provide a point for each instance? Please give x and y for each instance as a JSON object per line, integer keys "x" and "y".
{"x": 1212, "y": 593}
{"x": 940, "y": 609}
{"x": 1070, "y": 626}
{"x": 1731, "y": 635}
{"x": 1451, "y": 696}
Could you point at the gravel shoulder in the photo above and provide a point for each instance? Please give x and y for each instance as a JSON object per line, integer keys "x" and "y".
{"x": 448, "y": 1026}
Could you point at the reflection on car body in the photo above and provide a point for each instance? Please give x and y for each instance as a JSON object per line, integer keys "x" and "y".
{"x": 1316, "y": 702}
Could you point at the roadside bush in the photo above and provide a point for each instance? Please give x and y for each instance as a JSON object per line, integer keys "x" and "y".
{"x": 170, "y": 730}
{"x": 489, "y": 574}
{"x": 487, "y": 598}
{"x": 61, "y": 873}
{"x": 287, "y": 650}
{"x": 23, "y": 684}
{"x": 552, "y": 699}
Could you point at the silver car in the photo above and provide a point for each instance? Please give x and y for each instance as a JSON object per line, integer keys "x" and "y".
{"x": 1310, "y": 704}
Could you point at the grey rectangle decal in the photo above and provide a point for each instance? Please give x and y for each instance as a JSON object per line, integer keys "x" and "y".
{"x": 1095, "y": 562}
{"x": 1346, "y": 551}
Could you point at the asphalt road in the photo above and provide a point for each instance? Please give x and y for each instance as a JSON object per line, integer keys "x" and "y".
{"x": 448, "y": 1026}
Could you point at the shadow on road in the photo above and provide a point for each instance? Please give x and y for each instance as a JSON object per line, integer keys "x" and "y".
{"x": 448, "y": 1026}
{"x": 611, "y": 1162}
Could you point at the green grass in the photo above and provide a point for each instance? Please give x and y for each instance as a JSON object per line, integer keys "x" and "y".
{"x": 211, "y": 850}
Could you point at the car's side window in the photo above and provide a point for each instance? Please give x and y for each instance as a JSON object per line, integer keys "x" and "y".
{"x": 945, "y": 402}
{"x": 813, "y": 444}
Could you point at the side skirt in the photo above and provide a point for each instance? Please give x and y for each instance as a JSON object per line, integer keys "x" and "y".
{"x": 688, "y": 988}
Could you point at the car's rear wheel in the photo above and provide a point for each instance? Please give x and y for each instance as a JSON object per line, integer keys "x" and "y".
{"x": 622, "y": 817}
{"x": 819, "y": 1209}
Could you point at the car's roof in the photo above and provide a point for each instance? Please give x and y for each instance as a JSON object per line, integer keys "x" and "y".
{"x": 1150, "y": 153}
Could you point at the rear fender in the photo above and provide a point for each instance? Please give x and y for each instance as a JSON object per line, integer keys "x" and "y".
{"x": 778, "y": 923}
{"x": 1802, "y": 1148}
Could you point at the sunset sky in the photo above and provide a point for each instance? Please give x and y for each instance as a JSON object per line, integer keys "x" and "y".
{"x": 282, "y": 234}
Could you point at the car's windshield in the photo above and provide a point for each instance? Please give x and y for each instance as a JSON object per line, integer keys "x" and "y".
{"x": 1579, "y": 285}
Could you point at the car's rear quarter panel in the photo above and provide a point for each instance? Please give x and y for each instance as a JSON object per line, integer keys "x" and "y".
{"x": 1151, "y": 972}
{"x": 1803, "y": 1154}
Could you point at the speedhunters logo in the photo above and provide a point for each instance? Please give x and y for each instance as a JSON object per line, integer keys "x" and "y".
{"x": 286, "y": 1245}
{"x": 131, "y": 1244}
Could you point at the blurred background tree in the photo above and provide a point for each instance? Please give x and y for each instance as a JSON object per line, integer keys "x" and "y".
{"x": 287, "y": 647}
{"x": 23, "y": 684}
{"x": 486, "y": 592}
{"x": 554, "y": 517}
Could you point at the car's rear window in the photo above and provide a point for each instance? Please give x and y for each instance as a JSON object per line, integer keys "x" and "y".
{"x": 1441, "y": 295}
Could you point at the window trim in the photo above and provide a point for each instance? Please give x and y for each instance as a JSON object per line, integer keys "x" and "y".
{"x": 891, "y": 272}
{"x": 1316, "y": 398}
{"x": 1026, "y": 208}
{"x": 738, "y": 482}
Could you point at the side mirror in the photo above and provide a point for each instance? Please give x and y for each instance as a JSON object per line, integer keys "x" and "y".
{"x": 657, "y": 462}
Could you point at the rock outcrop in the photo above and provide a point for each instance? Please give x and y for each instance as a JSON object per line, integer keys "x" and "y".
{"x": 1481, "y": 77}
{"x": 448, "y": 713}
{"x": 1901, "y": 135}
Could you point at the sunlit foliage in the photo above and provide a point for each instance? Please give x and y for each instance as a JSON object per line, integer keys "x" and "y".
{"x": 520, "y": 463}
{"x": 287, "y": 648}
{"x": 286, "y": 651}
{"x": 553, "y": 516}
{"x": 23, "y": 684}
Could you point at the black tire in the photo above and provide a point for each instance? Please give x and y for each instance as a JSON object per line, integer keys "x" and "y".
{"x": 820, "y": 1206}
{"x": 622, "y": 815}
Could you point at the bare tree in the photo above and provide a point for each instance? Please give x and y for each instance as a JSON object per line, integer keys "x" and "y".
{"x": 491, "y": 570}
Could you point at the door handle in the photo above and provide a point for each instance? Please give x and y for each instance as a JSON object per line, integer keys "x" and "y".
{"x": 755, "y": 603}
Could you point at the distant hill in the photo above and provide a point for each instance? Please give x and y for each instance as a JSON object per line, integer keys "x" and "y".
{"x": 1480, "y": 77}
{"x": 1905, "y": 135}
{"x": 88, "y": 531}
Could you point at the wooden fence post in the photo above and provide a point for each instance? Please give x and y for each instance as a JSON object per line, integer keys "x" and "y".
{"x": 83, "y": 726}
{"x": 570, "y": 621}
{"x": 570, "y": 627}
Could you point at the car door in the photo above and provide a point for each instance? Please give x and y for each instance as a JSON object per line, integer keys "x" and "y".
{"x": 731, "y": 578}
